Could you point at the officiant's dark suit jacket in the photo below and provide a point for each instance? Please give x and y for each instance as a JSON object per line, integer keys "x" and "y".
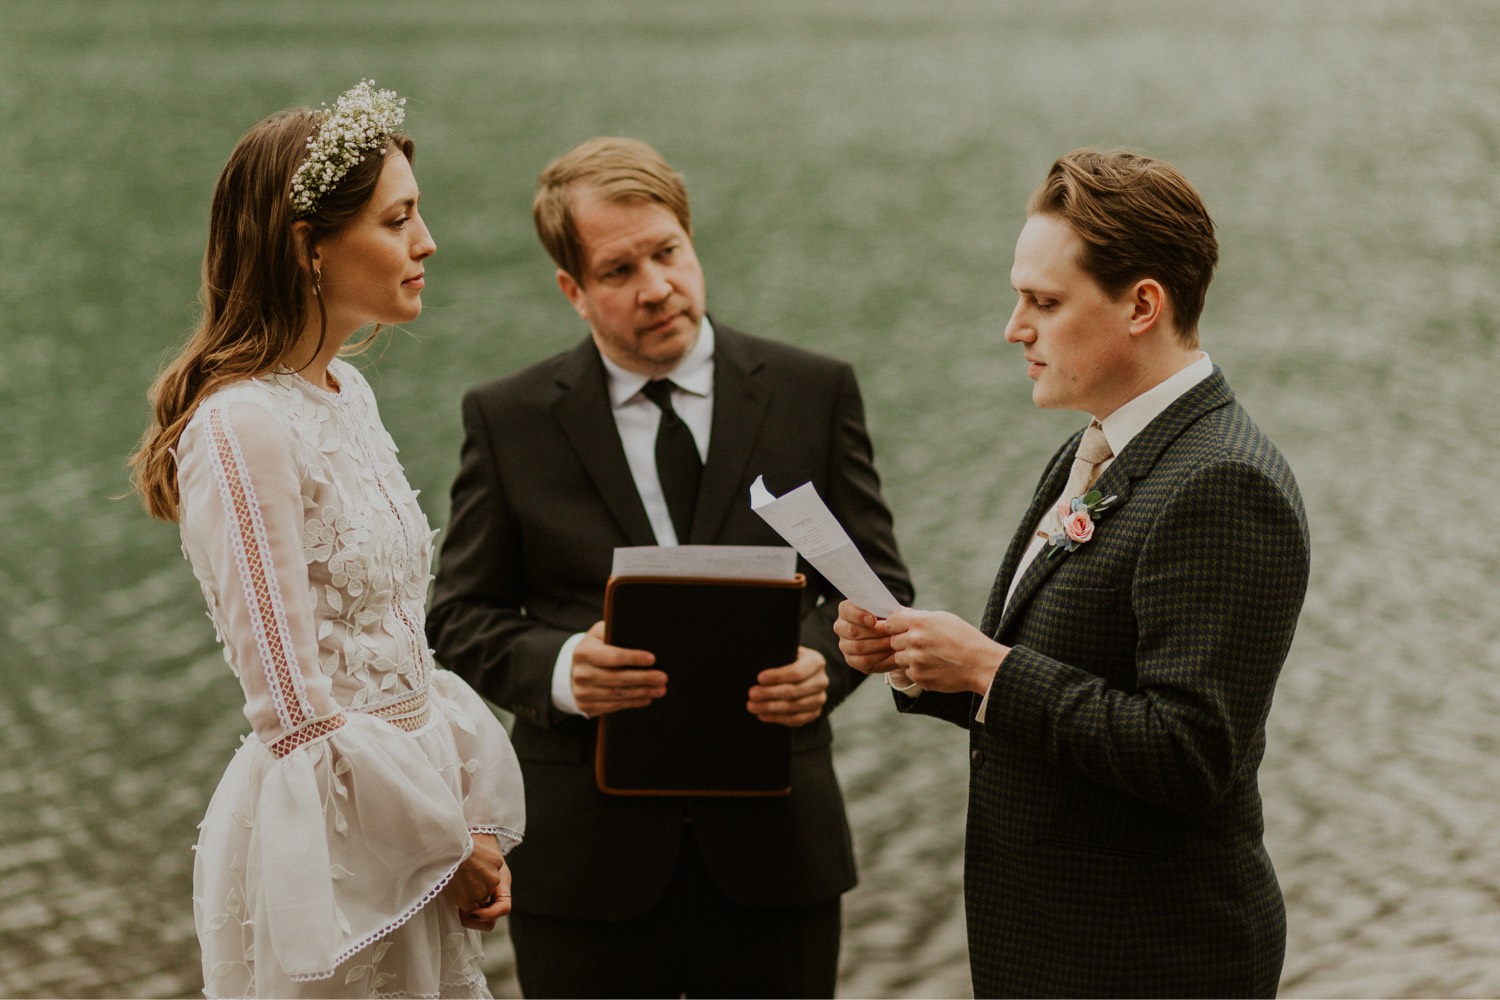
{"x": 542, "y": 498}
{"x": 1114, "y": 834}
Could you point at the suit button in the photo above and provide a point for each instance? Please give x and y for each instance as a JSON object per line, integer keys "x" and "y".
{"x": 976, "y": 757}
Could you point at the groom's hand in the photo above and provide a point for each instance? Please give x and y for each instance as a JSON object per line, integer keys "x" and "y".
{"x": 608, "y": 678}
{"x": 941, "y": 651}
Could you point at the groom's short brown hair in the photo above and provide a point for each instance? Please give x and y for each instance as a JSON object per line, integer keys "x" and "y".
{"x": 1138, "y": 218}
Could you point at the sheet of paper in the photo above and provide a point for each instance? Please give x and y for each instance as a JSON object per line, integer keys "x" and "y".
{"x": 804, "y": 520}
{"x": 724, "y": 562}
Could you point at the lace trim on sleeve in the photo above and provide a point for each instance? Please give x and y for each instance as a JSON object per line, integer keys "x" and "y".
{"x": 312, "y": 732}
{"x": 252, "y": 549}
{"x": 508, "y": 838}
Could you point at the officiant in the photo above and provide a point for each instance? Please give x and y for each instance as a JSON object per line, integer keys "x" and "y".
{"x": 649, "y": 431}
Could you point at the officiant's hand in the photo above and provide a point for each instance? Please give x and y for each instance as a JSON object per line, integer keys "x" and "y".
{"x": 792, "y": 695}
{"x": 606, "y": 678}
{"x": 866, "y": 647}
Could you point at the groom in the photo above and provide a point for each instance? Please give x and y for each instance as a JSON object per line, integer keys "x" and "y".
{"x": 1116, "y": 692}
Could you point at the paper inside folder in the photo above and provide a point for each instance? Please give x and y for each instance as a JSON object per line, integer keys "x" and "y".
{"x": 805, "y": 522}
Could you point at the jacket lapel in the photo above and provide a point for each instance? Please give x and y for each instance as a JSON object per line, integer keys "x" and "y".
{"x": 740, "y": 404}
{"x": 1111, "y": 483}
{"x": 1050, "y": 486}
{"x": 1135, "y": 462}
{"x": 583, "y": 411}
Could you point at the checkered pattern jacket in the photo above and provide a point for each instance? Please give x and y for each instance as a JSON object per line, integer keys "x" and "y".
{"x": 1114, "y": 841}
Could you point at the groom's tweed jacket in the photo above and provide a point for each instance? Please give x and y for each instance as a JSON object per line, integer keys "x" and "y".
{"x": 1114, "y": 837}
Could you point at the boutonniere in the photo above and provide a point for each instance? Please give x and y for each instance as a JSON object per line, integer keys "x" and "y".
{"x": 1074, "y": 521}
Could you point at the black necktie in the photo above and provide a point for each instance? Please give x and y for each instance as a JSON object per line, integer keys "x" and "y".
{"x": 677, "y": 463}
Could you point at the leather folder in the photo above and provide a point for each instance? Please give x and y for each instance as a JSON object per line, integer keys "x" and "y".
{"x": 712, "y": 637}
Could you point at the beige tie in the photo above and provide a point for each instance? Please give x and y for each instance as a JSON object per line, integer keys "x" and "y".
{"x": 1093, "y": 451}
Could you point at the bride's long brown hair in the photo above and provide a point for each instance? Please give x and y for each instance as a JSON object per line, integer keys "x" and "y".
{"x": 256, "y": 285}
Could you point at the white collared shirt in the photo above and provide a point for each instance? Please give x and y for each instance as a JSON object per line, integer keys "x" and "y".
{"x": 637, "y": 420}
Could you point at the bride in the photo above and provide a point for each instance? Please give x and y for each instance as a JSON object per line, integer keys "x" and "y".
{"x": 355, "y": 845}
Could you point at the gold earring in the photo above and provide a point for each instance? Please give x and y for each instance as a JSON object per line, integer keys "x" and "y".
{"x": 317, "y": 282}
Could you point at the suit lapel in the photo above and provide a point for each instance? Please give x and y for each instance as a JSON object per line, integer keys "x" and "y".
{"x": 1050, "y": 486}
{"x": 583, "y": 411}
{"x": 740, "y": 404}
{"x": 1135, "y": 462}
{"x": 1114, "y": 482}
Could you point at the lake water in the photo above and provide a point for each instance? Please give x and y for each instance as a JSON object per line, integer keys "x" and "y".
{"x": 858, "y": 172}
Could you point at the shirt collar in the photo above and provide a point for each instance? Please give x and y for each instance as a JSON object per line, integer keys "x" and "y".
{"x": 1130, "y": 419}
{"x": 694, "y": 373}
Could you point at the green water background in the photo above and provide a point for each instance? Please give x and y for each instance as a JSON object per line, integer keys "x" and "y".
{"x": 858, "y": 171}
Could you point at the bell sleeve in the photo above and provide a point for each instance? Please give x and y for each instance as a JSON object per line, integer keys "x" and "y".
{"x": 494, "y": 800}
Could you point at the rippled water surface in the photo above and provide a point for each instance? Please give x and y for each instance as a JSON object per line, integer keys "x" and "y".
{"x": 858, "y": 171}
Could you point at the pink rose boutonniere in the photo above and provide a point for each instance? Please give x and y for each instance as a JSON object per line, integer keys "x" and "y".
{"x": 1075, "y": 521}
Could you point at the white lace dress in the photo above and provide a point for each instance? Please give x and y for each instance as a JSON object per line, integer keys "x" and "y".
{"x": 351, "y": 803}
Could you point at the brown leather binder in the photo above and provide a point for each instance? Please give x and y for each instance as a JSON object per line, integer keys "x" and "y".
{"x": 712, "y": 637}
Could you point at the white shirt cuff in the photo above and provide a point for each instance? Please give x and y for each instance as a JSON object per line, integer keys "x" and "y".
{"x": 562, "y": 677}
{"x": 897, "y": 680}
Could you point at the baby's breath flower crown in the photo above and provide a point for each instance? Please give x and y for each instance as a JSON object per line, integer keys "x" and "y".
{"x": 359, "y": 121}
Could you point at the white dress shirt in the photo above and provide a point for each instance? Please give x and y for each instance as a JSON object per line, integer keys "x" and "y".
{"x": 637, "y": 419}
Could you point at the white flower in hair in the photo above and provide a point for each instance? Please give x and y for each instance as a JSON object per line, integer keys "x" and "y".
{"x": 359, "y": 121}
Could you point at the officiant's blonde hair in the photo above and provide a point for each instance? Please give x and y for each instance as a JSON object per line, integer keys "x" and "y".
{"x": 620, "y": 170}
